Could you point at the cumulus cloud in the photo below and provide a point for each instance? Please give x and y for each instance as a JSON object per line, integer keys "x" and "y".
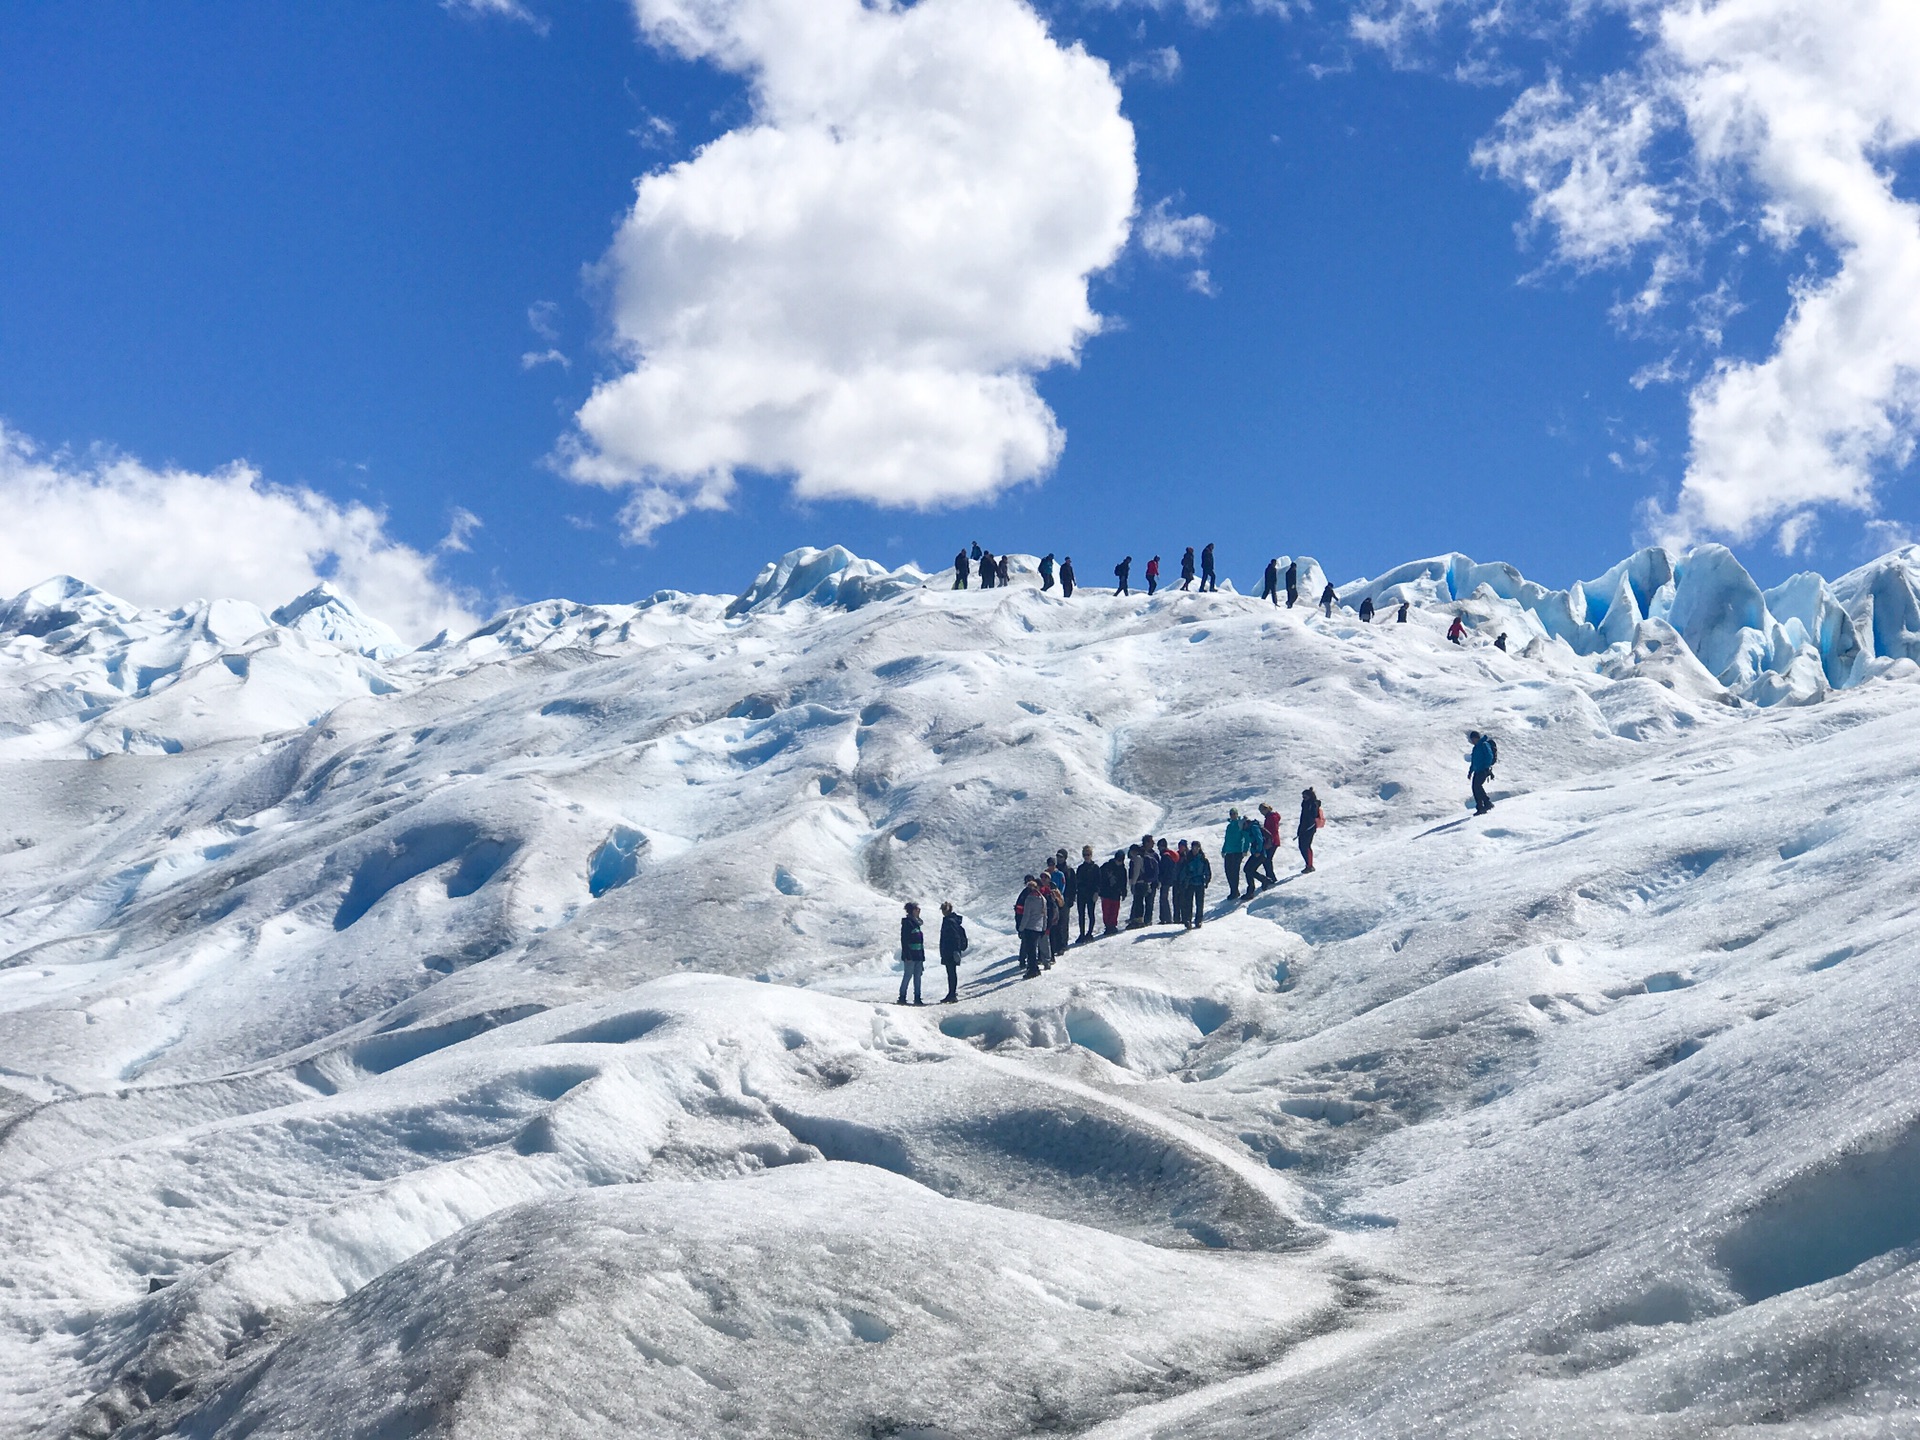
{"x": 164, "y": 537}
{"x": 857, "y": 287}
{"x": 1783, "y": 118}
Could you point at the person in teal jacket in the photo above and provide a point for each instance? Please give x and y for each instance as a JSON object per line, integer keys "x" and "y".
{"x": 1480, "y": 765}
{"x": 1233, "y": 849}
{"x": 1197, "y": 873}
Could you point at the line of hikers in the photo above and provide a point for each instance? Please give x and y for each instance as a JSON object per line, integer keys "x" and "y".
{"x": 997, "y": 571}
{"x": 1153, "y": 870}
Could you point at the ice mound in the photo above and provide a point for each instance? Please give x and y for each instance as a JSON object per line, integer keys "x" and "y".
{"x": 834, "y": 576}
{"x": 328, "y": 615}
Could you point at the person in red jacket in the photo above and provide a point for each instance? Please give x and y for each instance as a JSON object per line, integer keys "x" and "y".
{"x": 1456, "y": 630}
{"x": 1153, "y": 574}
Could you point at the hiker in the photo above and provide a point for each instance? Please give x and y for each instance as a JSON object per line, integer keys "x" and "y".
{"x": 1270, "y": 582}
{"x": 1366, "y": 611}
{"x": 953, "y": 944}
{"x": 1500, "y": 641}
{"x": 1270, "y": 828}
{"x": 1208, "y": 581}
{"x": 1233, "y": 850}
{"x": 1046, "y": 571}
{"x": 1312, "y": 820}
{"x": 1113, "y": 889}
{"x": 1186, "y": 568}
{"x": 1153, "y": 575}
{"x": 1401, "y": 619}
{"x": 1030, "y": 920}
{"x": 1066, "y": 578}
{"x": 1328, "y": 598}
{"x": 1086, "y": 891}
{"x": 1259, "y": 860}
{"x": 960, "y": 571}
{"x": 976, "y": 550}
{"x": 1144, "y": 887}
{"x": 1293, "y": 582}
{"x": 1006, "y": 570}
{"x": 1198, "y": 873}
{"x": 1061, "y": 878}
{"x": 1457, "y": 630}
{"x": 1166, "y": 862}
{"x": 1120, "y": 574}
{"x": 986, "y": 570}
{"x": 913, "y": 954}
{"x": 1480, "y": 762}
{"x": 1136, "y": 870}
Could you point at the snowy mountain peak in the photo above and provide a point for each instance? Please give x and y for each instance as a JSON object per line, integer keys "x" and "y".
{"x": 58, "y": 602}
{"x": 833, "y": 576}
{"x": 327, "y": 614}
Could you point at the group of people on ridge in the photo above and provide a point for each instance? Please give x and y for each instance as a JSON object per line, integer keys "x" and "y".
{"x": 1173, "y": 874}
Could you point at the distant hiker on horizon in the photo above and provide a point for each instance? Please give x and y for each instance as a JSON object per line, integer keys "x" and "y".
{"x": 1066, "y": 578}
{"x": 1153, "y": 575}
{"x": 1046, "y": 571}
{"x": 1293, "y": 582}
{"x": 1500, "y": 641}
{"x": 1186, "y": 568}
{"x": 1401, "y": 619}
{"x": 976, "y": 549}
{"x": 1006, "y": 570}
{"x": 913, "y": 954}
{"x": 953, "y": 944}
{"x": 1366, "y": 611}
{"x": 1208, "y": 581}
{"x": 1270, "y": 582}
{"x": 960, "y": 571}
{"x": 1457, "y": 630}
{"x": 986, "y": 570}
{"x": 1198, "y": 874}
{"x": 1313, "y": 819}
{"x": 1328, "y": 598}
{"x": 1120, "y": 574}
{"x": 1480, "y": 762}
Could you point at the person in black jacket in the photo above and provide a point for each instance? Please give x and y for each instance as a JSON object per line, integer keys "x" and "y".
{"x": 1293, "y": 582}
{"x": 1198, "y": 875}
{"x": 1060, "y": 876}
{"x": 1328, "y": 599}
{"x": 1113, "y": 889}
{"x": 1208, "y": 580}
{"x": 1046, "y": 571}
{"x": 1366, "y": 611}
{"x": 953, "y": 944}
{"x": 1168, "y": 879}
{"x": 1270, "y": 582}
{"x": 913, "y": 954}
{"x": 1006, "y": 570}
{"x": 1401, "y": 619}
{"x": 987, "y": 571}
{"x": 960, "y": 570}
{"x": 1308, "y": 827}
{"x": 1066, "y": 578}
{"x": 1120, "y": 576}
{"x": 1086, "y": 892}
{"x": 1186, "y": 568}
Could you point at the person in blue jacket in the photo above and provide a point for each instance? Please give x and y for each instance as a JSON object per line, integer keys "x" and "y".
{"x": 1480, "y": 763}
{"x": 1197, "y": 873}
{"x": 1233, "y": 849}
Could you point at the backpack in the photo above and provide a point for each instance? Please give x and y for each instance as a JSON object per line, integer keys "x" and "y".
{"x": 960, "y": 932}
{"x": 1320, "y": 819}
{"x": 1493, "y": 748}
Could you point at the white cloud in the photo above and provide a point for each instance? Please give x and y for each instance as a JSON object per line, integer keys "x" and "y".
{"x": 1780, "y": 117}
{"x": 164, "y": 537}
{"x": 534, "y": 359}
{"x": 1162, "y": 65}
{"x": 496, "y": 9}
{"x": 1167, "y": 236}
{"x": 857, "y": 288}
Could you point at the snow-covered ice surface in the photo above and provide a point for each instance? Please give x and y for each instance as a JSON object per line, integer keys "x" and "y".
{"x": 497, "y": 1038}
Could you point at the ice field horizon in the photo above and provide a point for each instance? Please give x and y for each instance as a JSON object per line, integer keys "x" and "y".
{"x": 497, "y": 1036}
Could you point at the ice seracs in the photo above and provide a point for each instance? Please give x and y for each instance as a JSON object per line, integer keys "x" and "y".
{"x": 325, "y": 613}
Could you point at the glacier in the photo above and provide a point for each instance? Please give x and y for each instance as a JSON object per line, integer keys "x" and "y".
{"x": 497, "y": 1037}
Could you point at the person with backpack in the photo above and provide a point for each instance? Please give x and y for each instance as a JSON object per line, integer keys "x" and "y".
{"x": 1366, "y": 611}
{"x": 1153, "y": 575}
{"x": 1198, "y": 874}
{"x": 1006, "y": 570}
{"x": 1086, "y": 891}
{"x": 986, "y": 568}
{"x": 1500, "y": 642}
{"x": 1270, "y": 829}
{"x": 1120, "y": 572}
{"x": 1259, "y": 866}
{"x": 1208, "y": 580}
{"x": 1270, "y": 582}
{"x": 913, "y": 954}
{"x": 1293, "y": 582}
{"x": 1066, "y": 578}
{"x": 953, "y": 944}
{"x": 1186, "y": 568}
{"x": 1060, "y": 881}
{"x": 1457, "y": 630}
{"x": 1233, "y": 850}
{"x": 1480, "y": 762}
{"x": 1149, "y": 880}
{"x": 1030, "y": 923}
{"x": 1328, "y": 598}
{"x": 1046, "y": 571}
{"x": 960, "y": 571}
{"x": 976, "y": 549}
{"x": 1165, "y": 862}
{"x": 1113, "y": 889}
{"x": 1312, "y": 820}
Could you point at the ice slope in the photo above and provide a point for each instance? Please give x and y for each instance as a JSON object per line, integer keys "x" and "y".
{"x": 508, "y": 1045}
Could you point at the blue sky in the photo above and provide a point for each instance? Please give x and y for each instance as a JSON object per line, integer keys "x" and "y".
{"x": 321, "y": 239}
